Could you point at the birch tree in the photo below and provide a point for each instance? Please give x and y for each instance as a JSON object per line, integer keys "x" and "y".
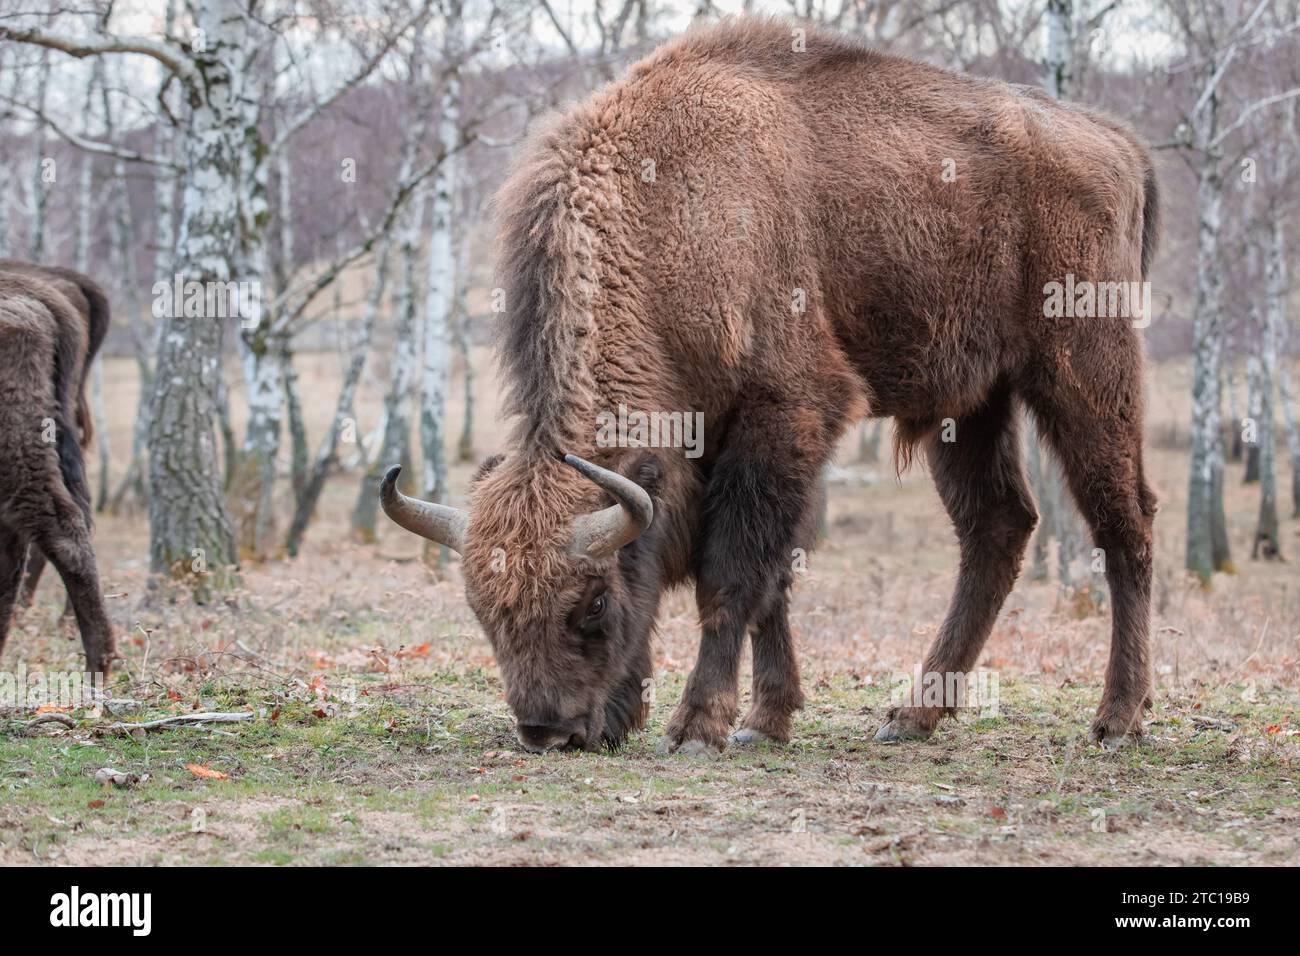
{"x": 222, "y": 239}
{"x": 1273, "y": 336}
{"x": 1202, "y": 137}
{"x": 440, "y": 290}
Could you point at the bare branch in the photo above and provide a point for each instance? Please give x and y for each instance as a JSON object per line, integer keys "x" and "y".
{"x": 1228, "y": 54}
{"x": 1251, "y": 109}
{"x": 95, "y": 46}
{"x": 89, "y": 145}
{"x": 555, "y": 22}
{"x": 322, "y": 281}
{"x": 309, "y": 114}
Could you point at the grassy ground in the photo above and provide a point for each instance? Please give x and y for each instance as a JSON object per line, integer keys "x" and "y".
{"x": 380, "y": 734}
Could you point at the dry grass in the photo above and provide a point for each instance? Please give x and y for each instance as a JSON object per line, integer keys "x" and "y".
{"x": 381, "y": 735}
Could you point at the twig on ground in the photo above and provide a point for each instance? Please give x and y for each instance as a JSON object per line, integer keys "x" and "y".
{"x": 63, "y": 719}
{"x": 182, "y": 720}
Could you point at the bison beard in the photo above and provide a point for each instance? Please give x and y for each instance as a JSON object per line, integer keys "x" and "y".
{"x": 783, "y": 240}
{"x": 44, "y": 501}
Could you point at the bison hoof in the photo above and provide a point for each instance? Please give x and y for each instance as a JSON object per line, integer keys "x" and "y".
{"x": 1112, "y": 740}
{"x": 897, "y": 730}
{"x": 746, "y": 736}
{"x": 688, "y": 748}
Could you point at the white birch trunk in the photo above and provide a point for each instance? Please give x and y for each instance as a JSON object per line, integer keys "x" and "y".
{"x": 1267, "y": 539}
{"x": 1206, "y": 464}
{"x": 1060, "y": 49}
{"x": 6, "y": 173}
{"x": 42, "y": 168}
{"x": 1249, "y": 426}
{"x": 345, "y": 408}
{"x": 1288, "y": 398}
{"x": 82, "y": 264}
{"x": 191, "y": 534}
{"x": 394, "y": 445}
{"x": 440, "y": 293}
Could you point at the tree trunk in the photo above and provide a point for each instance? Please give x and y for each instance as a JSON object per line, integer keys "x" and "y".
{"x": 191, "y": 536}
{"x": 870, "y": 434}
{"x": 395, "y": 447}
{"x": 81, "y": 261}
{"x": 1206, "y": 526}
{"x": 297, "y": 425}
{"x": 133, "y": 490}
{"x": 1288, "y": 397}
{"x": 440, "y": 292}
{"x": 344, "y": 411}
{"x": 1267, "y": 540}
{"x": 1248, "y": 430}
{"x": 45, "y": 173}
{"x": 6, "y": 173}
{"x": 253, "y": 488}
{"x": 1039, "y": 570}
{"x": 1235, "y": 444}
{"x": 1060, "y": 49}
{"x": 395, "y": 444}
{"x": 465, "y": 445}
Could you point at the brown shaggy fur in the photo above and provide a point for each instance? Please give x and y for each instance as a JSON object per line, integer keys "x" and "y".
{"x": 766, "y": 235}
{"x": 90, "y": 303}
{"x": 44, "y": 500}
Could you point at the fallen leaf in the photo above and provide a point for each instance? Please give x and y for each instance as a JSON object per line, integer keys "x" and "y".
{"x": 206, "y": 773}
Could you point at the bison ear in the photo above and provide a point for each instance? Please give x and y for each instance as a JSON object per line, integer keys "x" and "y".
{"x": 648, "y": 472}
{"x": 485, "y": 469}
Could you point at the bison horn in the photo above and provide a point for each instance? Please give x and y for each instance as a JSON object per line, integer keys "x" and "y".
{"x": 601, "y": 533}
{"x": 426, "y": 518}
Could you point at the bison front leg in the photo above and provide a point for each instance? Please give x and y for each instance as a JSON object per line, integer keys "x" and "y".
{"x": 776, "y": 692}
{"x": 753, "y": 509}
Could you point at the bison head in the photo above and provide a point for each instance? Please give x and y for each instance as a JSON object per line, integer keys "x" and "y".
{"x": 565, "y": 586}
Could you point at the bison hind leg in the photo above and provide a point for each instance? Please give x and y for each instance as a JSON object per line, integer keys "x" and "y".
{"x": 13, "y": 550}
{"x": 66, "y": 543}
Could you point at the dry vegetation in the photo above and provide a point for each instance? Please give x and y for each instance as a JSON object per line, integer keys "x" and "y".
{"x": 380, "y": 734}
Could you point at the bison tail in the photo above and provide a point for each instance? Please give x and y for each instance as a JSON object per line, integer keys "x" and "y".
{"x": 71, "y": 410}
{"x": 72, "y": 465}
{"x": 98, "y": 329}
{"x": 1150, "y": 219}
{"x": 99, "y": 318}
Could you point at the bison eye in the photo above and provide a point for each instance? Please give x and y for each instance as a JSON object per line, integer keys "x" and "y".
{"x": 595, "y": 609}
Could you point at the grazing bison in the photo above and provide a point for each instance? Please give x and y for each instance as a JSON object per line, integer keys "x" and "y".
{"x": 782, "y": 232}
{"x": 91, "y": 304}
{"x": 44, "y": 500}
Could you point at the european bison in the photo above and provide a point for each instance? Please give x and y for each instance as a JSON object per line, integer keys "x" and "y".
{"x": 85, "y": 295}
{"x": 44, "y": 500}
{"x": 783, "y": 231}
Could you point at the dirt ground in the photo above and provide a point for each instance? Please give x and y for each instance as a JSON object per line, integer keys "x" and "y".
{"x": 379, "y": 733}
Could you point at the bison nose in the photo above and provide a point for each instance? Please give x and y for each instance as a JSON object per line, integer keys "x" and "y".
{"x": 539, "y": 737}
